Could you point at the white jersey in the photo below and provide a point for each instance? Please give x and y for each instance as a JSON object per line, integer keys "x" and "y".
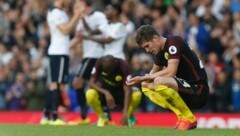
{"x": 92, "y": 49}
{"x": 60, "y": 42}
{"x": 118, "y": 32}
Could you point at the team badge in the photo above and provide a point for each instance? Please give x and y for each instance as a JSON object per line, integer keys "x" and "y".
{"x": 172, "y": 49}
{"x": 166, "y": 55}
{"x": 118, "y": 78}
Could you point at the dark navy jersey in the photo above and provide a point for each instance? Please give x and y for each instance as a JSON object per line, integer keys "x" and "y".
{"x": 190, "y": 67}
{"x": 114, "y": 80}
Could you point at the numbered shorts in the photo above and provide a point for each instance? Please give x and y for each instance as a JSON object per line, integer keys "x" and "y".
{"x": 58, "y": 68}
{"x": 195, "y": 95}
{"x": 85, "y": 68}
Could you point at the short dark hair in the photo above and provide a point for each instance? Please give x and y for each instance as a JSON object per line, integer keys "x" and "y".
{"x": 109, "y": 63}
{"x": 88, "y": 3}
{"x": 117, "y": 7}
{"x": 145, "y": 34}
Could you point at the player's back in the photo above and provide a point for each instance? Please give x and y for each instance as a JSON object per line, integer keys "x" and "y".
{"x": 59, "y": 41}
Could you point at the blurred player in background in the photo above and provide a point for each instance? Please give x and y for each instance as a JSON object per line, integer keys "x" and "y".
{"x": 107, "y": 87}
{"x": 91, "y": 52}
{"x": 115, "y": 32}
{"x": 177, "y": 81}
{"x": 60, "y": 27}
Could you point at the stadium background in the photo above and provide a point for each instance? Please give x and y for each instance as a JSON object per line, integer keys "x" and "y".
{"x": 212, "y": 28}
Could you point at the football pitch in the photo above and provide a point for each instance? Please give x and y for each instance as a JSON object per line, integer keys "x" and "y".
{"x": 38, "y": 130}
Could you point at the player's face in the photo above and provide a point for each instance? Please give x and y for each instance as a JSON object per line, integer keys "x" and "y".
{"x": 151, "y": 46}
{"x": 109, "y": 12}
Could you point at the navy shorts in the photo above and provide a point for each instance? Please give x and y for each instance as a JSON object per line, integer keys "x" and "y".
{"x": 59, "y": 65}
{"x": 85, "y": 68}
{"x": 195, "y": 95}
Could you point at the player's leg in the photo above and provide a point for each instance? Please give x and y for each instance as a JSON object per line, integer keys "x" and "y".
{"x": 48, "y": 108}
{"x": 93, "y": 100}
{"x": 149, "y": 90}
{"x": 53, "y": 73}
{"x": 59, "y": 79}
{"x": 168, "y": 87}
{"x": 79, "y": 84}
{"x": 134, "y": 102}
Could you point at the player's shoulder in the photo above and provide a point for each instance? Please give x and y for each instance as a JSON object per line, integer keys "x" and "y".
{"x": 122, "y": 63}
{"x": 173, "y": 38}
{"x": 98, "y": 14}
{"x": 56, "y": 11}
{"x": 119, "y": 26}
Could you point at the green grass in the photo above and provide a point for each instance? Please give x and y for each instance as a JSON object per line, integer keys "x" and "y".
{"x": 37, "y": 130}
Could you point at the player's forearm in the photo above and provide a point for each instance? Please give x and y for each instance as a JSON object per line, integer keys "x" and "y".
{"x": 103, "y": 40}
{"x": 67, "y": 28}
{"x": 97, "y": 88}
{"x": 127, "y": 97}
{"x": 164, "y": 72}
{"x": 74, "y": 42}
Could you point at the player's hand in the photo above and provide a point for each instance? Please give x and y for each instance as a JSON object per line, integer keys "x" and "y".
{"x": 79, "y": 8}
{"x": 134, "y": 81}
{"x": 124, "y": 121}
{"x": 110, "y": 101}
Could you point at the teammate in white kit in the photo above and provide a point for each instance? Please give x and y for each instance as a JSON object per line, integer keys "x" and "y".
{"x": 92, "y": 50}
{"x": 60, "y": 27}
{"x": 115, "y": 33}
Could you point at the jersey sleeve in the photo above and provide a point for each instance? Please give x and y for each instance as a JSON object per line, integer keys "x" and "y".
{"x": 126, "y": 70}
{"x": 174, "y": 49}
{"x": 101, "y": 19}
{"x": 58, "y": 17}
{"x": 79, "y": 26}
{"x": 96, "y": 69}
{"x": 103, "y": 28}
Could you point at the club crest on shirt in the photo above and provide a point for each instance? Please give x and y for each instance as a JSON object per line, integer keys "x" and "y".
{"x": 166, "y": 55}
{"x": 172, "y": 49}
{"x": 118, "y": 78}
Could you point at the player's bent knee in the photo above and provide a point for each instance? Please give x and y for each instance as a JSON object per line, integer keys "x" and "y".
{"x": 143, "y": 84}
{"x": 136, "y": 96}
{"x": 91, "y": 94}
{"x": 159, "y": 81}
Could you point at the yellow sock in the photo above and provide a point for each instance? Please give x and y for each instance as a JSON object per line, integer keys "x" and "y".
{"x": 134, "y": 102}
{"x": 94, "y": 102}
{"x": 161, "y": 101}
{"x": 176, "y": 101}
